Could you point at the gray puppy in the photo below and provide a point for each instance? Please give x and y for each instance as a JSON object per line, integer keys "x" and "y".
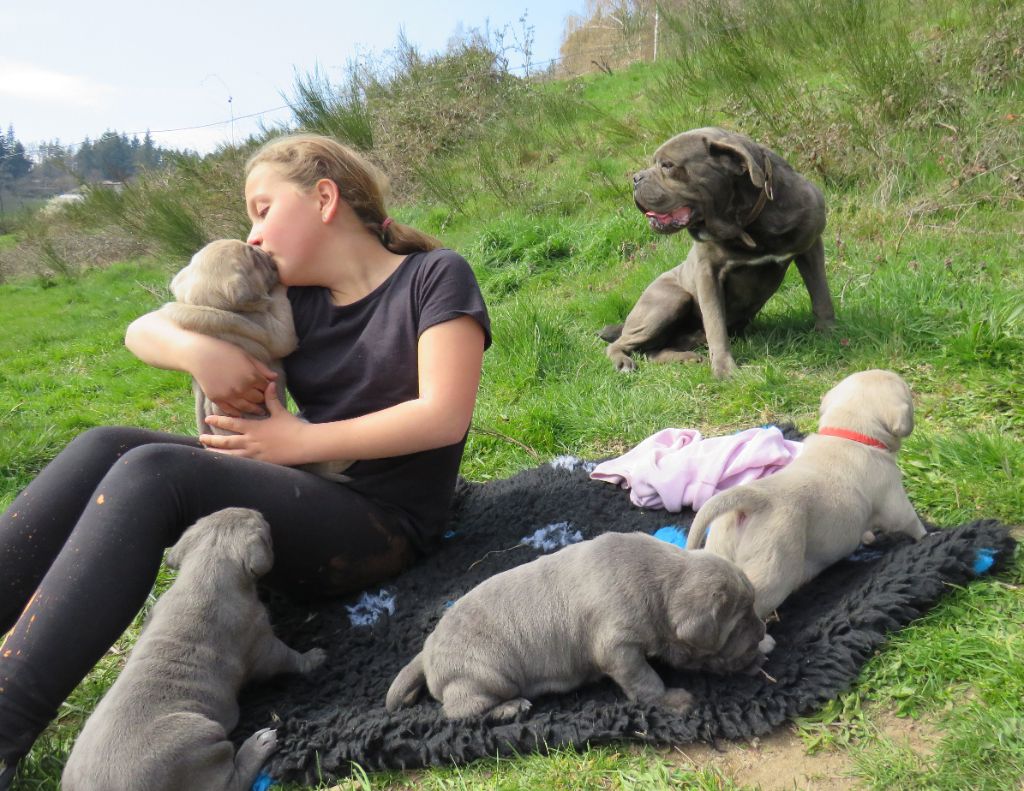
{"x": 230, "y": 290}
{"x": 598, "y": 608}
{"x": 785, "y": 529}
{"x": 164, "y": 724}
{"x": 750, "y": 214}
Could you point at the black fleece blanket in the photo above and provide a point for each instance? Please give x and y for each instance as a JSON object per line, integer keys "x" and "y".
{"x": 826, "y": 632}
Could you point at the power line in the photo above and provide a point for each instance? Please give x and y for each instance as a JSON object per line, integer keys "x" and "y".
{"x": 526, "y": 68}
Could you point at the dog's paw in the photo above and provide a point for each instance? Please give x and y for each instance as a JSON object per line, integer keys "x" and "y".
{"x": 623, "y": 363}
{"x": 677, "y": 699}
{"x": 509, "y": 710}
{"x": 824, "y": 325}
{"x": 723, "y": 367}
{"x": 260, "y": 746}
{"x": 313, "y": 658}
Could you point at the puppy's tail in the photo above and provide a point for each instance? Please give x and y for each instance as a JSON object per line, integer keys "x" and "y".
{"x": 408, "y": 684}
{"x": 735, "y": 503}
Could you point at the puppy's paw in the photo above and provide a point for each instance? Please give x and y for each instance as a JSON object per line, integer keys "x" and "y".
{"x": 623, "y": 362}
{"x": 509, "y": 710}
{"x": 313, "y": 658}
{"x": 260, "y": 746}
{"x": 677, "y": 699}
{"x": 825, "y": 325}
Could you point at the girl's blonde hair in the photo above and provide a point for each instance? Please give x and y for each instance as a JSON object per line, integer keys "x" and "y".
{"x": 304, "y": 159}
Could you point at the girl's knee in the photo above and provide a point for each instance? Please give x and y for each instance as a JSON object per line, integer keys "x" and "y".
{"x": 108, "y": 440}
{"x": 160, "y": 458}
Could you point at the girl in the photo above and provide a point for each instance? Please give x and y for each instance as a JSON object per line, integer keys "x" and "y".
{"x": 392, "y": 331}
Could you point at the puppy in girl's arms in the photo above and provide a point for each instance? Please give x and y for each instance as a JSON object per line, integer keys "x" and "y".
{"x": 230, "y": 290}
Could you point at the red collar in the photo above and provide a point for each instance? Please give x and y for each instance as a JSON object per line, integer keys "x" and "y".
{"x": 864, "y": 439}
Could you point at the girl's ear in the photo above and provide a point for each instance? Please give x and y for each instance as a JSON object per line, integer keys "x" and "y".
{"x": 328, "y": 196}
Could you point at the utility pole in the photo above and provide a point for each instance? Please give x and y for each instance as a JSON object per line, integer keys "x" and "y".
{"x": 655, "y": 58}
{"x": 231, "y": 107}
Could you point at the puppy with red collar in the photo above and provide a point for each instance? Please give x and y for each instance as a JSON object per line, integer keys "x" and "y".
{"x": 785, "y": 529}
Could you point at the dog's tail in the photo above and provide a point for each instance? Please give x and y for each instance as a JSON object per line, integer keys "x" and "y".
{"x": 732, "y": 504}
{"x": 408, "y": 684}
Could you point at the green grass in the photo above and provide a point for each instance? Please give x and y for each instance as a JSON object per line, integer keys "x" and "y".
{"x": 923, "y": 251}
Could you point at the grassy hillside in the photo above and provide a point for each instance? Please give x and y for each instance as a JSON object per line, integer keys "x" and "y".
{"x": 910, "y": 116}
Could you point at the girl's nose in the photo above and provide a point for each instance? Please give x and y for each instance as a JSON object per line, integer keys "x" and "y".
{"x": 255, "y": 238}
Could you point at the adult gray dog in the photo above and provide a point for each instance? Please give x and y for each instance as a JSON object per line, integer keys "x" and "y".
{"x": 750, "y": 214}
{"x": 785, "y": 529}
{"x": 593, "y": 609}
{"x": 164, "y": 724}
{"x": 230, "y": 290}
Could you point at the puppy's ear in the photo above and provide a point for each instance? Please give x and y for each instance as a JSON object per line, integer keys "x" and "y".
{"x": 700, "y": 624}
{"x": 245, "y": 284}
{"x": 189, "y": 540}
{"x": 259, "y": 557}
{"x": 181, "y": 283}
{"x": 740, "y": 157}
{"x": 825, "y": 399}
{"x": 900, "y": 418}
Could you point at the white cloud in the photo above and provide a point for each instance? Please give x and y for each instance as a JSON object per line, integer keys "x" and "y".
{"x": 25, "y": 81}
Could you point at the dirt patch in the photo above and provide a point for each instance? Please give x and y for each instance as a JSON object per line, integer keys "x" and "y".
{"x": 771, "y": 763}
{"x": 781, "y": 761}
{"x": 919, "y": 736}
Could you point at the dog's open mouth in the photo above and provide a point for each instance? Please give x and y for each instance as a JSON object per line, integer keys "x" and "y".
{"x": 679, "y": 218}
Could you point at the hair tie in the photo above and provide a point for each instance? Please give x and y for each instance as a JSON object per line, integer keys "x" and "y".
{"x": 384, "y": 225}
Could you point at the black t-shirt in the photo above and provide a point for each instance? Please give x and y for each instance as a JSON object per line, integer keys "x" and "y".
{"x": 360, "y": 358}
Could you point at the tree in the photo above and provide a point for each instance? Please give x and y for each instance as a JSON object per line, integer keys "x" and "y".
{"x": 148, "y": 157}
{"x": 113, "y": 156}
{"x": 13, "y": 162}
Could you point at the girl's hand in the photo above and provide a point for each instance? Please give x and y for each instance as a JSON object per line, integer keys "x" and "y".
{"x": 234, "y": 381}
{"x": 278, "y": 438}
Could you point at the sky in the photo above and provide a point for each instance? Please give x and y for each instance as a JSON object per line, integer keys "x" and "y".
{"x": 201, "y": 74}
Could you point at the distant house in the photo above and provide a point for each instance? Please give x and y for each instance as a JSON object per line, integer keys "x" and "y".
{"x": 58, "y": 202}
{"x": 77, "y": 195}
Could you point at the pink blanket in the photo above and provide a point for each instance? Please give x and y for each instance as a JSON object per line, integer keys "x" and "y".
{"x": 677, "y": 467}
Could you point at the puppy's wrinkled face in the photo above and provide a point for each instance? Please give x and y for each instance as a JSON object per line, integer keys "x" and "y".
{"x": 718, "y": 624}
{"x": 227, "y": 274}
{"x": 240, "y": 536}
{"x": 690, "y": 181}
{"x": 876, "y": 401}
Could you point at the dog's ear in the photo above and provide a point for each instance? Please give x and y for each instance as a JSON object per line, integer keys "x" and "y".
{"x": 259, "y": 557}
{"x": 181, "y": 283}
{"x": 700, "y": 623}
{"x": 824, "y": 403}
{"x": 189, "y": 540}
{"x": 740, "y": 156}
{"x": 900, "y": 419}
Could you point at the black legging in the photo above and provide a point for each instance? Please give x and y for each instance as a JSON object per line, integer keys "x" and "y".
{"x": 80, "y": 548}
